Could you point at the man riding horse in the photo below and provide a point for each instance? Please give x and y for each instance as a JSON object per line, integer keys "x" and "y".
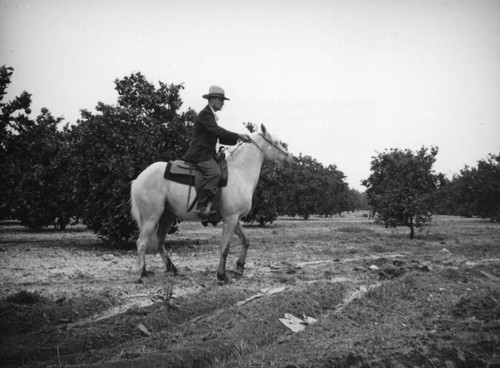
{"x": 201, "y": 151}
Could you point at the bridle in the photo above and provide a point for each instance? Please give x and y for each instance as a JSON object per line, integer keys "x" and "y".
{"x": 272, "y": 145}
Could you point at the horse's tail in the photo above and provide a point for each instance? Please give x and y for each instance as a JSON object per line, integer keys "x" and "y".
{"x": 134, "y": 207}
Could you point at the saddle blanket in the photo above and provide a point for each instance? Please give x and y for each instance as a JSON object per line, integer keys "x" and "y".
{"x": 181, "y": 172}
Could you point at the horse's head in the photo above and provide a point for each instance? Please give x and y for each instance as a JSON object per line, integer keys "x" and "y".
{"x": 273, "y": 150}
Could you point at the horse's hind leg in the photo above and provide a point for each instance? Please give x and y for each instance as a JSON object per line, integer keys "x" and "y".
{"x": 147, "y": 241}
{"x": 166, "y": 222}
{"x": 245, "y": 243}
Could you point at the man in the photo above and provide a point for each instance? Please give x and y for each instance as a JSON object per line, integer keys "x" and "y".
{"x": 202, "y": 149}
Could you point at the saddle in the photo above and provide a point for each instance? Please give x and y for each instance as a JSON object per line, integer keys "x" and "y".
{"x": 184, "y": 172}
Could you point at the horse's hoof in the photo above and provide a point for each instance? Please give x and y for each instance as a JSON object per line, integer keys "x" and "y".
{"x": 173, "y": 271}
{"x": 145, "y": 274}
{"x": 140, "y": 281}
{"x": 240, "y": 267}
{"x": 222, "y": 278}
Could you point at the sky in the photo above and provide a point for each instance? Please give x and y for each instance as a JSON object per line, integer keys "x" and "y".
{"x": 338, "y": 80}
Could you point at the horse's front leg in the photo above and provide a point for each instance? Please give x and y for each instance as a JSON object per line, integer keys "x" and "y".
{"x": 245, "y": 243}
{"x": 227, "y": 233}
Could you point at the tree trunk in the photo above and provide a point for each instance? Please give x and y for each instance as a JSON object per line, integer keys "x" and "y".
{"x": 412, "y": 228}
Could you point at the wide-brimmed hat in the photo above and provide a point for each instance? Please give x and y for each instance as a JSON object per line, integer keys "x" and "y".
{"x": 215, "y": 91}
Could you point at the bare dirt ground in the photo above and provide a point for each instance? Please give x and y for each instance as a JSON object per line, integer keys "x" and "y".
{"x": 380, "y": 299}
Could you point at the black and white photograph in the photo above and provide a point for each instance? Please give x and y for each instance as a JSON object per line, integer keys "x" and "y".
{"x": 250, "y": 183}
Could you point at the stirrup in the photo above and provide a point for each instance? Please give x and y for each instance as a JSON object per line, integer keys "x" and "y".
{"x": 206, "y": 212}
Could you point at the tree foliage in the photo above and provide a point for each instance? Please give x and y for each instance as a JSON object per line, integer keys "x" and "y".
{"x": 11, "y": 117}
{"x": 312, "y": 188}
{"x": 487, "y": 188}
{"x": 111, "y": 147}
{"x": 356, "y": 201}
{"x": 474, "y": 192}
{"x": 34, "y": 188}
{"x": 302, "y": 188}
{"x": 402, "y": 187}
{"x": 53, "y": 173}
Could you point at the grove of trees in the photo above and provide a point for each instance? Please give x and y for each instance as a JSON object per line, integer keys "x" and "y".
{"x": 53, "y": 174}
{"x": 403, "y": 189}
{"x": 475, "y": 191}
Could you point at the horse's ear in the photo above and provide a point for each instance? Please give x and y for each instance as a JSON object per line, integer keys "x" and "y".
{"x": 263, "y": 129}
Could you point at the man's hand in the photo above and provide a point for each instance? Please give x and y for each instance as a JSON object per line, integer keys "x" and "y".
{"x": 245, "y": 138}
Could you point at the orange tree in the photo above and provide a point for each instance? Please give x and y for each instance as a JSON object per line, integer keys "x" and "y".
{"x": 33, "y": 183}
{"x": 474, "y": 192}
{"x": 402, "y": 187}
{"x": 456, "y": 196}
{"x": 311, "y": 188}
{"x": 487, "y": 188}
{"x": 13, "y": 118}
{"x": 111, "y": 147}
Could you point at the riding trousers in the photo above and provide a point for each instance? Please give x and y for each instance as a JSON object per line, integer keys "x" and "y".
{"x": 211, "y": 175}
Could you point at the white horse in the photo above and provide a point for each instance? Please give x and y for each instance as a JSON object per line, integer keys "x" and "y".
{"x": 157, "y": 202}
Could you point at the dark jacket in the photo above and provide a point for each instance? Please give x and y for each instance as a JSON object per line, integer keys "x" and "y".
{"x": 205, "y": 134}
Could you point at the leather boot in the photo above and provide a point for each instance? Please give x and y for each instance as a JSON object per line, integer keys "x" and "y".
{"x": 204, "y": 207}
